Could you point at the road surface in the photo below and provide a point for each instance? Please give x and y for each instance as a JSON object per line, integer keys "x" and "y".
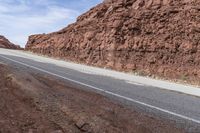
{"x": 181, "y": 108}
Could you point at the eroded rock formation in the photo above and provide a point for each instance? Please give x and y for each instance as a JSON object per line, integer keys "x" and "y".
{"x": 153, "y": 37}
{"x": 5, "y": 43}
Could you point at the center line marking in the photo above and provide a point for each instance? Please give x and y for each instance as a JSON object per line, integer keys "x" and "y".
{"x": 108, "y": 92}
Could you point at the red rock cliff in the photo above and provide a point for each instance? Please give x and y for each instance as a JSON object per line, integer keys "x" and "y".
{"x": 5, "y": 43}
{"x": 160, "y": 37}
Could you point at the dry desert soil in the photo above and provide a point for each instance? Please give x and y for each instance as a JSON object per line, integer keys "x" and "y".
{"x": 35, "y": 103}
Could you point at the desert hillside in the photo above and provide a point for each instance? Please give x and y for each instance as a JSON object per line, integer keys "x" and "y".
{"x": 151, "y": 37}
{"x": 5, "y": 43}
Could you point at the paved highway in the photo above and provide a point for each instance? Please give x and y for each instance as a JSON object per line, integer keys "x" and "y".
{"x": 180, "y": 108}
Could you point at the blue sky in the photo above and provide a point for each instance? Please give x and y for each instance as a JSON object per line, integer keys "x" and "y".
{"x": 21, "y": 18}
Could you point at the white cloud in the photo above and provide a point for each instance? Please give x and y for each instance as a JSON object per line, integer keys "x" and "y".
{"x": 21, "y": 18}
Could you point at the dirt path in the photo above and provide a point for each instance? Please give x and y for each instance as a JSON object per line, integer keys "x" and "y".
{"x": 34, "y": 103}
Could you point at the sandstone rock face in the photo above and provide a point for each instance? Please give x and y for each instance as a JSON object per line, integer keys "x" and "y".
{"x": 5, "y": 43}
{"x": 153, "y": 37}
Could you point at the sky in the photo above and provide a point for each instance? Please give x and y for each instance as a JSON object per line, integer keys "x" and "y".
{"x": 21, "y": 18}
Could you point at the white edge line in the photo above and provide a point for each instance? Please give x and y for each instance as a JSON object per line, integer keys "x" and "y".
{"x": 108, "y": 92}
{"x": 145, "y": 81}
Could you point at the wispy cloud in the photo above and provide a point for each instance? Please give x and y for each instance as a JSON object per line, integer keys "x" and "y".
{"x": 21, "y": 18}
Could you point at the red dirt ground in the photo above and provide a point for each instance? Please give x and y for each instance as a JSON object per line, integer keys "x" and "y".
{"x": 34, "y": 103}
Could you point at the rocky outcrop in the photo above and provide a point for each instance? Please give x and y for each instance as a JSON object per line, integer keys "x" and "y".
{"x": 5, "y": 43}
{"x": 152, "y": 37}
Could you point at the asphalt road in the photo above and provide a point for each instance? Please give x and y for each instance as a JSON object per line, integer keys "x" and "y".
{"x": 179, "y": 108}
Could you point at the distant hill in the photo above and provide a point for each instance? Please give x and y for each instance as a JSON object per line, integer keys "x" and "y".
{"x": 5, "y": 43}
